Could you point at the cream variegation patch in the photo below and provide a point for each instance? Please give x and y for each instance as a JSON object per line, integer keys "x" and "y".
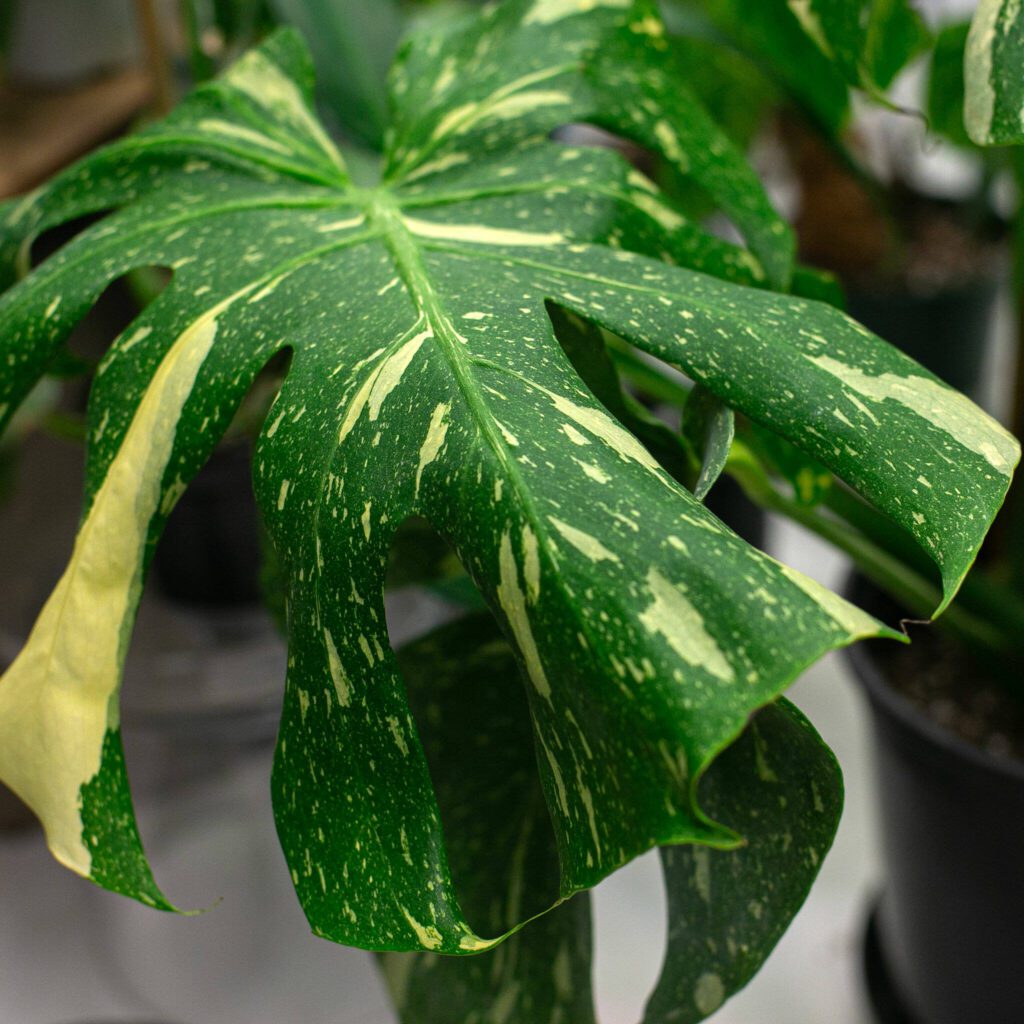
{"x": 58, "y": 699}
{"x": 672, "y": 616}
{"x": 547, "y": 12}
{"x": 945, "y": 409}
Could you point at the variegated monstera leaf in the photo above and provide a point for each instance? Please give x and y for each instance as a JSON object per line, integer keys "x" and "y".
{"x": 426, "y": 380}
{"x": 994, "y": 74}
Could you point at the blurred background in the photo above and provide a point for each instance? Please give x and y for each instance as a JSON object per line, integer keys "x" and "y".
{"x": 913, "y": 221}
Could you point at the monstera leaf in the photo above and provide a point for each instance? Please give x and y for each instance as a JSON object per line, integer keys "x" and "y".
{"x": 779, "y": 785}
{"x": 994, "y": 105}
{"x": 426, "y": 381}
{"x": 818, "y": 48}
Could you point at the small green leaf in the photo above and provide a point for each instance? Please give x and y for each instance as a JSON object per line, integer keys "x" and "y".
{"x": 895, "y": 35}
{"x": 945, "y": 104}
{"x": 709, "y": 426}
{"x": 780, "y": 788}
{"x": 467, "y": 694}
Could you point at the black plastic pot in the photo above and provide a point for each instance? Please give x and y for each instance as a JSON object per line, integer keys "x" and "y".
{"x": 946, "y": 331}
{"x": 946, "y": 943}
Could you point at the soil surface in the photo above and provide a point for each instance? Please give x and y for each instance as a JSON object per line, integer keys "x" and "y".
{"x": 928, "y": 246}
{"x": 888, "y": 237}
{"x": 955, "y": 692}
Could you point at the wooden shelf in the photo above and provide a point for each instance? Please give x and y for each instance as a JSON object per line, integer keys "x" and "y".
{"x": 43, "y": 131}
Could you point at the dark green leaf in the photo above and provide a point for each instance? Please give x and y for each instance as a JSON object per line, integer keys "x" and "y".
{"x": 946, "y": 85}
{"x": 769, "y": 33}
{"x": 818, "y": 48}
{"x": 467, "y": 694}
{"x": 734, "y": 92}
{"x": 352, "y": 42}
{"x": 780, "y": 788}
{"x": 869, "y": 41}
{"x": 820, "y": 285}
{"x": 895, "y": 35}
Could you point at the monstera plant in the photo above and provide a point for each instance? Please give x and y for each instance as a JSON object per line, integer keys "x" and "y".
{"x": 448, "y": 330}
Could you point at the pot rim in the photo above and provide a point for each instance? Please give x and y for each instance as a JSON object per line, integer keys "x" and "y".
{"x": 870, "y": 676}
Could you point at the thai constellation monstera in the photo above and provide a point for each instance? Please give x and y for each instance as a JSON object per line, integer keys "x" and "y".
{"x": 439, "y": 799}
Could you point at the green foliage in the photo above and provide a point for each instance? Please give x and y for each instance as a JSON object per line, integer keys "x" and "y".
{"x": 735, "y": 92}
{"x": 994, "y": 84}
{"x": 816, "y": 49}
{"x": 895, "y": 34}
{"x": 770, "y": 35}
{"x": 945, "y": 98}
{"x": 465, "y": 690}
{"x": 709, "y": 426}
{"x": 778, "y": 786}
{"x": 427, "y": 382}
{"x": 352, "y": 44}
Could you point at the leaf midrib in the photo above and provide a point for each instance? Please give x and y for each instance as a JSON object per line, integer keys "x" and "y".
{"x": 383, "y": 213}
{"x": 405, "y": 249}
